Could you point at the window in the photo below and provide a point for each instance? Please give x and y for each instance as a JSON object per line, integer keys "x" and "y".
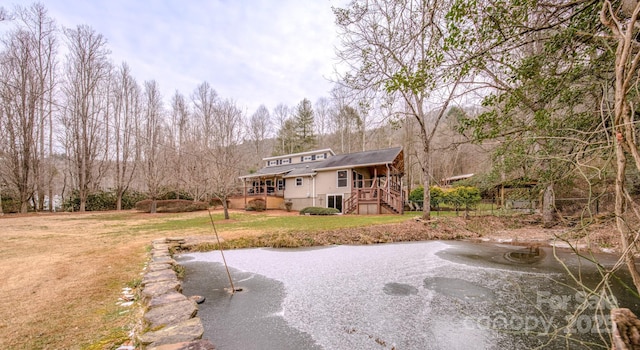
{"x": 286, "y": 161}
{"x": 320, "y": 156}
{"x": 342, "y": 178}
{"x": 281, "y": 184}
{"x": 358, "y": 180}
{"x": 298, "y": 181}
{"x": 335, "y": 201}
{"x": 272, "y": 162}
{"x": 307, "y": 158}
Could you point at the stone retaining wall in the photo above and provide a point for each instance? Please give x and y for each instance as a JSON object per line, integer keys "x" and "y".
{"x": 170, "y": 317}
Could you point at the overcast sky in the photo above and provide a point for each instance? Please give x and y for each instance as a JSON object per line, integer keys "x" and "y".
{"x": 255, "y": 52}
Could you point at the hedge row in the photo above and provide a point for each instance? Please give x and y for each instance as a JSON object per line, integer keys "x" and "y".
{"x": 459, "y": 197}
{"x": 319, "y": 211}
{"x": 171, "y": 206}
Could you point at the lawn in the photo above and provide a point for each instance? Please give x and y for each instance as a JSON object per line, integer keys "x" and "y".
{"x": 63, "y": 273}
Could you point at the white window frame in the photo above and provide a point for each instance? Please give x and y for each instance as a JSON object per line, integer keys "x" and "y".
{"x": 286, "y": 161}
{"x": 307, "y": 158}
{"x": 301, "y": 182}
{"x": 334, "y": 195}
{"x": 346, "y": 178}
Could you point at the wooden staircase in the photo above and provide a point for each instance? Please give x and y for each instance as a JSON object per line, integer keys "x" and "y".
{"x": 389, "y": 197}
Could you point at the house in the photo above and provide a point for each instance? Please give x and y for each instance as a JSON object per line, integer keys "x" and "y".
{"x": 367, "y": 182}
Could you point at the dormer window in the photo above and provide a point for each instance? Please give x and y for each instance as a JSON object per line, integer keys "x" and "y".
{"x": 307, "y": 158}
{"x": 286, "y": 161}
{"x": 320, "y": 156}
{"x": 272, "y": 163}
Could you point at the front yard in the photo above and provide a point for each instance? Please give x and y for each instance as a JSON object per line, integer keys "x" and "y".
{"x": 63, "y": 273}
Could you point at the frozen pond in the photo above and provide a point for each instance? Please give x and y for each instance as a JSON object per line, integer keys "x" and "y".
{"x": 424, "y": 295}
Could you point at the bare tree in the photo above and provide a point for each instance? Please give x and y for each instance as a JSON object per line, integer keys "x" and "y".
{"x": 126, "y": 133}
{"x": 86, "y": 112}
{"x": 396, "y": 48}
{"x": 178, "y": 130}
{"x": 623, "y": 25}
{"x": 28, "y": 64}
{"x": 258, "y": 129}
{"x": 152, "y": 155}
{"x": 225, "y": 154}
{"x": 43, "y": 30}
{"x": 281, "y": 114}
{"x": 204, "y": 101}
{"x": 197, "y": 167}
{"x": 322, "y": 119}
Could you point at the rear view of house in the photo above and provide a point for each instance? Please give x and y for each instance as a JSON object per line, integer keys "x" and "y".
{"x": 367, "y": 182}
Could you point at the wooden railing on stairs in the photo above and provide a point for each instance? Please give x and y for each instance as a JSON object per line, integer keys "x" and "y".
{"x": 391, "y": 198}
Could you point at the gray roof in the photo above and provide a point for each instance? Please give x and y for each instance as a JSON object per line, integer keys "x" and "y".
{"x": 381, "y": 156}
{"x": 297, "y": 168}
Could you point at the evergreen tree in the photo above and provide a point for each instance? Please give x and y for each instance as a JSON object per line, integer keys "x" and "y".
{"x": 287, "y": 139}
{"x": 304, "y": 124}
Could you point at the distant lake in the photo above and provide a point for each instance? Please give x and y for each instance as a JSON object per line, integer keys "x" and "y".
{"x": 424, "y": 295}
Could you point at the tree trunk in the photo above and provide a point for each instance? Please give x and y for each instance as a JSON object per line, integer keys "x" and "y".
{"x": 83, "y": 203}
{"x": 625, "y": 330}
{"x": 154, "y": 206}
{"x": 626, "y": 237}
{"x": 548, "y": 205}
{"x": 119, "y": 201}
{"x": 1, "y": 210}
{"x": 426, "y": 182}
{"x": 225, "y": 208}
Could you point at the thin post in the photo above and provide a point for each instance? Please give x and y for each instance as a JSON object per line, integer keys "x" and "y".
{"x": 233, "y": 289}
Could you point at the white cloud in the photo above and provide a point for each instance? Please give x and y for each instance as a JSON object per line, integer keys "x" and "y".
{"x": 255, "y": 52}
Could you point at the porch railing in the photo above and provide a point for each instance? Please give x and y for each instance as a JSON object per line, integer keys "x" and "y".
{"x": 374, "y": 194}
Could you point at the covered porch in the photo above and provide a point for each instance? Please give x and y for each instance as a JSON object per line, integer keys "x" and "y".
{"x": 377, "y": 189}
{"x": 270, "y": 188}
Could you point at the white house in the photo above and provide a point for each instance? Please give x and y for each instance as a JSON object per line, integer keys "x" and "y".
{"x": 364, "y": 182}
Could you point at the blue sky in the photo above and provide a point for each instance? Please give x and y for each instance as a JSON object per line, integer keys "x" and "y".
{"x": 255, "y": 52}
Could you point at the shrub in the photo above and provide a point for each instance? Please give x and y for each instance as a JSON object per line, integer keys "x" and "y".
{"x": 417, "y": 194}
{"x": 256, "y": 205}
{"x": 468, "y": 196}
{"x": 437, "y": 197}
{"x": 10, "y": 204}
{"x": 102, "y": 200}
{"x": 319, "y": 211}
{"x": 215, "y": 202}
{"x": 130, "y": 198}
{"x": 171, "y": 206}
{"x": 176, "y": 195}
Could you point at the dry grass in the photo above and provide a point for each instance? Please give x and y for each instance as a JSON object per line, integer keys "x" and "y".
{"x": 63, "y": 273}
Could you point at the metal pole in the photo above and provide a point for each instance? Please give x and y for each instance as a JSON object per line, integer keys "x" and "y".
{"x": 233, "y": 289}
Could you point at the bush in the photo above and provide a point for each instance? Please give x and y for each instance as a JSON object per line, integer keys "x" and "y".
{"x": 437, "y": 197}
{"x": 256, "y": 205}
{"x": 176, "y": 195}
{"x": 10, "y": 204}
{"x": 417, "y": 194}
{"x": 129, "y": 199}
{"x": 319, "y": 211}
{"x": 171, "y": 206}
{"x": 469, "y": 196}
{"x": 102, "y": 200}
{"x": 216, "y": 202}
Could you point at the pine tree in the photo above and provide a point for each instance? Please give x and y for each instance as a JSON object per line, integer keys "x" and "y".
{"x": 304, "y": 123}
